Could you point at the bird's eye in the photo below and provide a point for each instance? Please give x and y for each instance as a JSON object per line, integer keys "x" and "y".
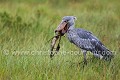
{"x": 66, "y": 20}
{"x": 74, "y": 18}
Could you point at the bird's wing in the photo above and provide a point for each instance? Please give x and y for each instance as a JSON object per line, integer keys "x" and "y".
{"x": 88, "y": 40}
{"x": 87, "y": 35}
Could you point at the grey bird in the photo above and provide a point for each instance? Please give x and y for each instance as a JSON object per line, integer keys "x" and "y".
{"x": 83, "y": 39}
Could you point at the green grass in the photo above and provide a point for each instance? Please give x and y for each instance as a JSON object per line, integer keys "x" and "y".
{"x": 26, "y": 26}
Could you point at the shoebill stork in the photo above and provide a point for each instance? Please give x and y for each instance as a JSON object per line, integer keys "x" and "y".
{"x": 83, "y": 39}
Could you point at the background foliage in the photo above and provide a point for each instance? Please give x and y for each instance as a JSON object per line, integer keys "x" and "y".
{"x": 26, "y": 26}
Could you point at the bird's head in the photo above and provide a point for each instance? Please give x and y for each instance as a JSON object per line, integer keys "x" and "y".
{"x": 66, "y": 23}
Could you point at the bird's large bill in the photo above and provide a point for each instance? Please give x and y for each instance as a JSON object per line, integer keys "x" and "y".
{"x": 62, "y": 28}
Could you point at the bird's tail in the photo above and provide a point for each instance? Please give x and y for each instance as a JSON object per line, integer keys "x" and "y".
{"x": 104, "y": 52}
{"x": 107, "y": 54}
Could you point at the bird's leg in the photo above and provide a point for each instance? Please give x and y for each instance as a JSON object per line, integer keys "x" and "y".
{"x": 84, "y": 55}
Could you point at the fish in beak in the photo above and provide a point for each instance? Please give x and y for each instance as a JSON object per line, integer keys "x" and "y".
{"x": 62, "y": 28}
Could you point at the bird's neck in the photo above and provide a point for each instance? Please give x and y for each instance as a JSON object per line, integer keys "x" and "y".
{"x": 71, "y": 27}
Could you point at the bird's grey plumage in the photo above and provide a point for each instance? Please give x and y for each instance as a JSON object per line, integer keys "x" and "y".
{"x": 86, "y": 40}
